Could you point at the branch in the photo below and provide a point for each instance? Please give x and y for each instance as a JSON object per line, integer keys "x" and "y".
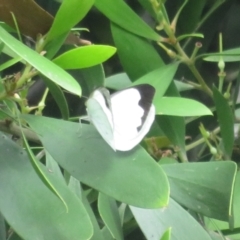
{"x": 14, "y": 129}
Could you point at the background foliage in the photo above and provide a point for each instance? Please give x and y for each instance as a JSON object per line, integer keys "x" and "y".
{"x": 57, "y": 182}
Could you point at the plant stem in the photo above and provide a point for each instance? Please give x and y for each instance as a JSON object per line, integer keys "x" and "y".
{"x": 201, "y": 140}
{"x": 190, "y": 64}
{"x": 182, "y": 156}
{"x": 200, "y": 79}
{"x": 14, "y": 129}
{"x": 24, "y": 76}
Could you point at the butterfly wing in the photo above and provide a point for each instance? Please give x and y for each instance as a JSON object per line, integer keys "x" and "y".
{"x": 133, "y": 114}
{"x": 99, "y": 112}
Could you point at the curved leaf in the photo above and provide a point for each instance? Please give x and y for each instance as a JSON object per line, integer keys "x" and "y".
{"x": 159, "y": 78}
{"x": 134, "y": 49}
{"x": 154, "y": 223}
{"x": 199, "y": 35}
{"x": 174, "y": 126}
{"x": 121, "y": 14}
{"x": 167, "y": 234}
{"x": 87, "y": 157}
{"x": 75, "y": 186}
{"x": 84, "y": 57}
{"x": 68, "y": 15}
{"x": 177, "y": 106}
{"x": 25, "y": 200}
{"x": 42, "y": 64}
{"x": 226, "y": 121}
{"x": 58, "y": 97}
{"x": 108, "y": 210}
{"x": 118, "y": 81}
{"x": 206, "y": 188}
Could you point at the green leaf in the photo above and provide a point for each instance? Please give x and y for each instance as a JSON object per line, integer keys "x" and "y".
{"x": 75, "y": 186}
{"x": 147, "y": 5}
{"x": 174, "y": 129}
{"x": 7, "y": 27}
{"x": 91, "y": 78}
{"x": 236, "y": 201}
{"x": 206, "y": 188}
{"x": 106, "y": 234}
{"x": 8, "y": 109}
{"x": 69, "y": 14}
{"x": 231, "y": 55}
{"x": 54, "y": 45}
{"x": 10, "y": 63}
{"x": 226, "y": 121}
{"x": 199, "y": 35}
{"x": 40, "y": 170}
{"x": 181, "y": 86}
{"x": 184, "y": 107}
{"x": 27, "y": 198}
{"x": 14, "y": 236}
{"x": 118, "y": 81}
{"x": 194, "y": 11}
{"x": 167, "y": 234}
{"x": 121, "y": 14}
{"x": 83, "y": 57}
{"x": 113, "y": 173}
{"x": 43, "y": 65}
{"x": 108, "y": 210}
{"x": 174, "y": 126}
{"x": 133, "y": 49}
{"x": 154, "y": 223}
{"x": 53, "y": 167}
{"x": 58, "y": 97}
{"x": 214, "y": 224}
{"x": 3, "y": 235}
{"x": 159, "y": 78}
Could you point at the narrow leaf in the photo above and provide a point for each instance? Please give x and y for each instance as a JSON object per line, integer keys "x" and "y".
{"x": 134, "y": 49}
{"x": 39, "y": 170}
{"x": 9, "y": 63}
{"x": 58, "y": 96}
{"x": 75, "y": 186}
{"x": 64, "y": 21}
{"x": 109, "y": 212}
{"x": 43, "y": 65}
{"x": 174, "y": 126}
{"x": 84, "y": 57}
{"x": 184, "y": 107}
{"x": 231, "y": 55}
{"x": 199, "y": 35}
{"x": 226, "y": 121}
{"x": 121, "y": 14}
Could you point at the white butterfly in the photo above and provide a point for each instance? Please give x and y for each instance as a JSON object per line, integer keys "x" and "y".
{"x": 125, "y": 117}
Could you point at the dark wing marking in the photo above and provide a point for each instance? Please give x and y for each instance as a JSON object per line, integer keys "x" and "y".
{"x": 147, "y": 93}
